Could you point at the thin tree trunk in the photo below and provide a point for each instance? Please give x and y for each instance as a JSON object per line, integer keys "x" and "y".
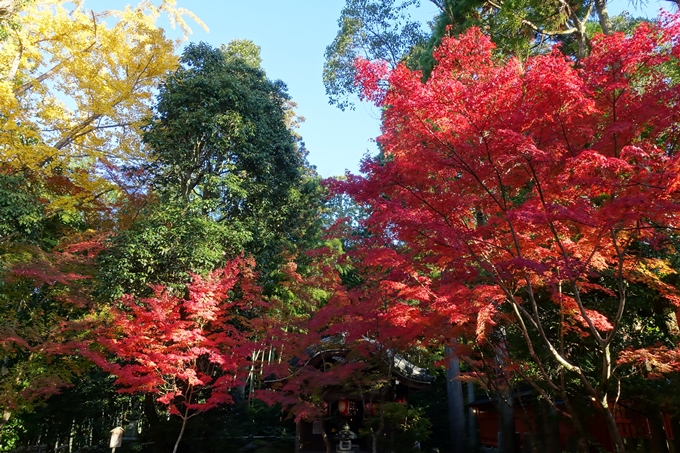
{"x": 506, "y": 414}
{"x": 181, "y": 431}
{"x": 550, "y": 441}
{"x": 454, "y": 392}
{"x": 71, "y": 435}
{"x": 506, "y": 422}
{"x": 383, "y": 391}
{"x": 675, "y": 431}
{"x": 185, "y": 417}
{"x": 581, "y": 437}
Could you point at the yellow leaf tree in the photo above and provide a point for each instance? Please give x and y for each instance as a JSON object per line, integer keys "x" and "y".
{"x": 75, "y": 85}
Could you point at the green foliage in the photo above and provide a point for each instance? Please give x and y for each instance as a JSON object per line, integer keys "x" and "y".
{"x": 21, "y": 215}
{"x": 229, "y": 173}
{"x": 373, "y": 29}
{"x": 406, "y": 424}
{"x": 163, "y": 247}
{"x": 86, "y": 411}
{"x": 245, "y": 50}
{"x": 383, "y": 30}
{"x": 516, "y": 27}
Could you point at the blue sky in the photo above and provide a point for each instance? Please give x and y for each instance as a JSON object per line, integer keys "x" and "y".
{"x": 293, "y": 35}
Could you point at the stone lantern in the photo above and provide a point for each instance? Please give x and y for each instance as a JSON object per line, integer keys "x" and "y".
{"x": 345, "y": 437}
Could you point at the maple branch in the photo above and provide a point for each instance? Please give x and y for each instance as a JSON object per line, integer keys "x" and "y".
{"x": 542, "y": 392}
{"x": 501, "y": 186}
{"x": 481, "y": 374}
{"x": 535, "y": 321}
{"x": 530, "y": 345}
{"x": 185, "y": 417}
{"x": 565, "y": 255}
{"x": 423, "y": 200}
{"x": 621, "y": 287}
{"x": 539, "y": 326}
{"x": 582, "y": 310}
{"x": 463, "y": 163}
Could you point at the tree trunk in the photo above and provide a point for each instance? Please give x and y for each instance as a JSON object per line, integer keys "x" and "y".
{"x": 155, "y": 424}
{"x": 326, "y": 440}
{"x": 617, "y": 440}
{"x": 506, "y": 413}
{"x": 181, "y": 431}
{"x": 581, "y": 438}
{"x": 454, "y": 392}
{"x": 383, "y": 392}
{"x": 603, "y": 16}
{"x": 675, "y": 430}
{"x": 506, "y": 422}
{"x": 547, "y": 439}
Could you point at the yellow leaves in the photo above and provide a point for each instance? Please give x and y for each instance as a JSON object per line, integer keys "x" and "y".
{"x": 75, "y": 85}
{"x": 650, "y": 272}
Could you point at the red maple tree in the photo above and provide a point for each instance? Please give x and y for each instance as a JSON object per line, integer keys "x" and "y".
{"x": 507, "y": 191}
{"x": 190, "y": 351}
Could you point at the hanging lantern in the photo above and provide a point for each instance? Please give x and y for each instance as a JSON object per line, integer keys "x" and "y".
{"x": 343, "y": 408}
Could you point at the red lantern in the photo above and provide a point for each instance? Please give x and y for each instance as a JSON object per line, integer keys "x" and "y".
{"x": 343, "y": 408}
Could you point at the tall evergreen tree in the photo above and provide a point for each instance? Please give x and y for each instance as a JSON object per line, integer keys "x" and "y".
{"x": 229, "y": 174}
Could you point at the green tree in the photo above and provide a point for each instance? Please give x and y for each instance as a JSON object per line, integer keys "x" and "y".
{"x": 229, "y": 174}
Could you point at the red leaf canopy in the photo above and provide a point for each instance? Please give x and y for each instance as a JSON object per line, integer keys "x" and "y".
{"x": 524, "y": 176}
